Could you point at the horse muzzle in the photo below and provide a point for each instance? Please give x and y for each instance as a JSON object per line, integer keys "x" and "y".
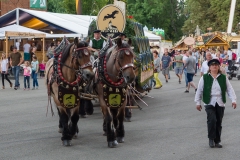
{"x": 129, "y": 78}
{"x": 87, "y": 74}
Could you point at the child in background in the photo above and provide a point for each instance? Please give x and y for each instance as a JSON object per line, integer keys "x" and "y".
{"x": 26, "y": 73}
{"x": 42, "y": 69}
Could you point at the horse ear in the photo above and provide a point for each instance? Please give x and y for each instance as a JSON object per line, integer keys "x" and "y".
{"x": 119, "y": 42}
{"x": 76, "y": 40}
{"x": 130, "y": 41}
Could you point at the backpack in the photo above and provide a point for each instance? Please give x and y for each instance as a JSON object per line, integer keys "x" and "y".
{"x": 234, "y": 56}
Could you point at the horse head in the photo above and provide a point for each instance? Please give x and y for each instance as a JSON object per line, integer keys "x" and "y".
{"x": 123, "y": 61}
{"x": 81, "y": 56}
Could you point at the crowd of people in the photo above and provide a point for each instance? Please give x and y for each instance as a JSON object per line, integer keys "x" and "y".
{"x": 189, "y": 63}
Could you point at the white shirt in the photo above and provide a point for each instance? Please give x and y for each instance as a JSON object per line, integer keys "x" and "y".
{"x": 90, "y": 43}
{"x": 213, "y": 56}
{"x": 4, "y": 65}
{"x": 205, "y": 67}
{"x": 229, "y": 55}
{"x": 216, "y": 93}
{"x": 26, "y": 48}
{"x": 17, "y": 45}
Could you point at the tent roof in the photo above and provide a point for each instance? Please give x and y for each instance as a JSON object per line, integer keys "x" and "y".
{"x": 48, "y": 21}
{"x": 151, "y": 36}
{"x": 17, "y": 28}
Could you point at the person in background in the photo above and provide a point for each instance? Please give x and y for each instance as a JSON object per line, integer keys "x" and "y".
{"x": 35, "y": 67}
{"x": 42, "y": 69}
{"x": 212, "y": 90}
{"x": 196, "y": 55}
{"x": 15, "y": 62}
{"x": 50, "y": 51}
{"x": 156, "y": 69}
{"x": 230, "y": 53}
{"x": 26, "y": 73}
{"x": 179, "y": 65}
{"x": 165, "y": 64}
{"x": 190, "y": 64}
{"x": 201, "y": 59}
{"x": 185, "y": 57}
{"x": 204, "y": 68}
{"x": 26, "y": 49}
{"x": 4, "y": 70}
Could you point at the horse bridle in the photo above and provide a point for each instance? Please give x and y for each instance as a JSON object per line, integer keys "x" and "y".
{"x": 75, "y": 55}
{"x": 122, "y": 68}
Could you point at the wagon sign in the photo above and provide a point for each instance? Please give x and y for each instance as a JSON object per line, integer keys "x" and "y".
{"x": 111, "y": 21}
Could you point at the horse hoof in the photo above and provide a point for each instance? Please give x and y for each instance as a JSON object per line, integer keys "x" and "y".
{"x": 66, "y": 142}
{"x": 112, "y": 144}
{"x": 60, "y": 130}
{"x": 120, "y": 139}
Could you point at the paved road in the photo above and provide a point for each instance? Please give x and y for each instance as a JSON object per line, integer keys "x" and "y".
{"x": 170, "y": 128}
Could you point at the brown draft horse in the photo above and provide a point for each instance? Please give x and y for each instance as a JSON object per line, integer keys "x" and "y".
{"x": 75, "y": 61}
{"x": 119, "y": 67}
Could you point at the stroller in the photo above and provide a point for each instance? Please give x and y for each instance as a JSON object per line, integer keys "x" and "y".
{"x": 233, "y": 71}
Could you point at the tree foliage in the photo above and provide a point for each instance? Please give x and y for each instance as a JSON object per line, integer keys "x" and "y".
{"x": 165, "y": 14}
{"x": 209, "y": 13}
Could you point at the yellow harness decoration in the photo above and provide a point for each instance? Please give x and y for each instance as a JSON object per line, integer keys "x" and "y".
{"x": 69, "y": 100}
{"x": 114, "y": 100}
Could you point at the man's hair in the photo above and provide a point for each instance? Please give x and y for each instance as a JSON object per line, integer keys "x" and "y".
{"x": 190, "y": 52}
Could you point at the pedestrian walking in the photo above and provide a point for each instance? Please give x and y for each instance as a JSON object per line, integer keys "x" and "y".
{"x": 4, "y": 70}
{"x": 26, "y": 73}
{"x": 35, "y": 67}
{"x": 191, "y": 65}
{"x": 185, "y": 57}
{"x": 179, "y": 65}
{"x": 213, "y": 86}
{"x": 196, "y": 55}
{"x": 156, "y": 69}
{"x": 205, "y": 68}
{"x": 165, "y": 64}
{"x": 15, "y": 62}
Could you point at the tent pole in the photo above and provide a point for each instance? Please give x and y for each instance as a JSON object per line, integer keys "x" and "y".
{"x": 17, "y": 16}
{"x": 43, "y": 49}
{"x": 6, "y": 46}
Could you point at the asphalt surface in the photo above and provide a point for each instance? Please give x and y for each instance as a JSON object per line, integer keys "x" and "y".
{"x": 170, "y": 128}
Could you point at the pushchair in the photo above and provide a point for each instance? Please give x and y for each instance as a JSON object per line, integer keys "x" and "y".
{"x": 233, "y": 71}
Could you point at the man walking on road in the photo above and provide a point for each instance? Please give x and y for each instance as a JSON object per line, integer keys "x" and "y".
{"x": 165, "y": 64}
{"x": 15, "y": 61}
{"x": 191, "y": 65}
{"x": 204, "y": 68}
{"x": 179, "y": 65}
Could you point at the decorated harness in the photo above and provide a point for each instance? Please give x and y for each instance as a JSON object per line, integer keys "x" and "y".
{"x": 114, "y": 93}
{"x": 68, "y": 92}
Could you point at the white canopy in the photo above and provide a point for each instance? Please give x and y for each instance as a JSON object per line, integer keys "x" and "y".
{"x": 152, "y": 36}
{"x": 17, "y": 28}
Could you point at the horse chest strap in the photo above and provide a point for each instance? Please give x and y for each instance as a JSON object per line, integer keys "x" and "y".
{"x": 114, "y": 97}
{"x": 68, "y": 96}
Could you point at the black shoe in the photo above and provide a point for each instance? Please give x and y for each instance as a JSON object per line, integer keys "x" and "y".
{"x": 15, "y": 88}
{"x": 196, "y": 90}
{"x": 218, "y": 145}
{"x": 211, "y": 143}
{"x": 166, "y": 81}
{"x": 186, "y": 91}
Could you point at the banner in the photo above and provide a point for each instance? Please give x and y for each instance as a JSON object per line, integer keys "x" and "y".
{"x": 38, "y": 4}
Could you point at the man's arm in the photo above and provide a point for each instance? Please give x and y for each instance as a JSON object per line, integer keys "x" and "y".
{"x": 21, "y": 61}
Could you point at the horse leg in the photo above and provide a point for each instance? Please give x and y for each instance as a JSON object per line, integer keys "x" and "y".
{"x": 88, "y": 107}
{"x": 104, "y": 127}
{"x": 73, "y": 128}
{"x": 66, "y": 136}
{"x": 120, "y": 132}
{"x": 111, "y": 138}
{"x": 60, "y": 127}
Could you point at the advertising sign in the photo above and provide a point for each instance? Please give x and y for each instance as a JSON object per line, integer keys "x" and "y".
{"x": 38, "y": 4}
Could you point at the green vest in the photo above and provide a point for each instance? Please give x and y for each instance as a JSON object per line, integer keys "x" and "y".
{"x": 208, "y": 81}
{"x": 97, "y": 44}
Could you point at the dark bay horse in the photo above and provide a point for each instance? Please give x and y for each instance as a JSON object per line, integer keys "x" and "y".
{"x": 73, "y": 65}
{"x": 112, "y": 87}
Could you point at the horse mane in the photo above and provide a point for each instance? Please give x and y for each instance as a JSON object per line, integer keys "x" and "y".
{"x": 66, "y": 52}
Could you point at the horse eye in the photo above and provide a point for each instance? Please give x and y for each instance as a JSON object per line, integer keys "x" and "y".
{"x": 127, "y": 53}
{"x": 86, "y": 52}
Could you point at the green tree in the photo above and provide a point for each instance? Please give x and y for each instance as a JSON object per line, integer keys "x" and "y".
{"x": 209, "y": 13}
{"x": 165, "y": 14}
